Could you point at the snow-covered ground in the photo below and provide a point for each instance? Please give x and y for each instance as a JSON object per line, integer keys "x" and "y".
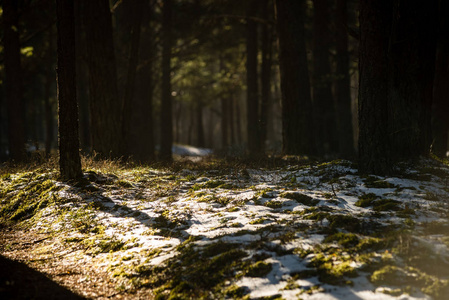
{"x": 297, "y": 232}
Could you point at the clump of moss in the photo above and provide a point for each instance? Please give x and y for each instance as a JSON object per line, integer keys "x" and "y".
{"x": 373, "y": 200}
{"x": 26, "y": 196}
{"x": 346, "y": 240}
{"x": 332, "y": 271}
{"x": 300, "y": 198}
{"x": 366, "y": 200}
{"x": 195, "y": 273}
{"x": 374, "y": 182}
{"x": 259, "y": 269}
{"x": 273, "y": 204}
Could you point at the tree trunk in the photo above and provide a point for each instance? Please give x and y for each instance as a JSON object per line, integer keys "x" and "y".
{"x": 166, "y": 105}
{"x": 224, "y": 123}
{"x": 267, "y": 45}
{"x": 105, "y": 105}
{"x": 322, "y": 90}
{"x": 48, "y": 105}
{"x": 200, "y": 125}
{"x": 69, "y": 158}
{"x": 135, "y": 18}
{"x": 397, "y": 56}
{"x": 252, "y": 101}
{"x": 342, "y": 83}
{"x": 297, "y": 119}
{"x": 440, "y": 108}
{"x": 143, "y": 141}
{"x": 13, "y": 81}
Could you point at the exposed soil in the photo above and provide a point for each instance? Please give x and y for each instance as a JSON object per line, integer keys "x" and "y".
{"x": 29, "y": 276}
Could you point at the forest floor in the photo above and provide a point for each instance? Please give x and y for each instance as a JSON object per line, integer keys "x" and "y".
{"x": 220, "y": 230}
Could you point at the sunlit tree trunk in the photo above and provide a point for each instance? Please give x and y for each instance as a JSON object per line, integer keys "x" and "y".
{"x": 13, "y": 81}
{"x": 69, "y": 157}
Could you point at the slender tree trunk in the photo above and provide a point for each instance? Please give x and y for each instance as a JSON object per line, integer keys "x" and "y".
{"x": 166, "y": 106}
{"x": 231, "y": 118}
{"x": 69, "y": 157}
{"x": 224, "y": 123}
{"x": 105, "y": 105}
{"x": 342, "y": 83}
{"x": 13, "y": 81}
{"x": 440, "y": 109}
{"x": 297, "y": 119}
{"x": 200, "y": 125}
{"x": 322, "y": 82}
{"x": 238, "y": 122}
{"x": 133, "y": 59}
{"x": 252, "y": 101}
{"x": 267, "y": 45}
{"x": 82, "y": 80}
{"x": 49, "y": 80}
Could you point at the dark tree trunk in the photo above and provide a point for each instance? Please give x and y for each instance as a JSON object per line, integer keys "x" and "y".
{"x": 412, "y": 68}
{"x": 397, "y": 56}
{"x": 48, "y": 105}
{"x": 224, "y": 123}
{"x": 374, "y": 141}
{"x": 323, "y": 102}
{"x": 105, "y": 105}
{"x": 166, "y": 105}
{"x": 200, "y": 125}
{"x": 13, "y": 81}
{"x": 440, "y": 109}
{"x": 82, "y": 80}
{"x": 342, "y": 83}
{"x": 69, "y": 157}
{"x": 297, "y": 119}
{"x": 143, "y": 141}
{"x": 231, "y": 119}
{"x": 267, "y": 45}
{"x": 135, "y": 18}
{"x": 252, "y": 101}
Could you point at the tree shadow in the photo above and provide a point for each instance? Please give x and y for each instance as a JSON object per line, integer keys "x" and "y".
{"x": 18, "y": 281}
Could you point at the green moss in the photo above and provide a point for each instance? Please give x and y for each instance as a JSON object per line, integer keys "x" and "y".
{"x": 374, "y": 182}
{"x": 257, "y": 221}
{"x": 331, "y": 271}
{"x": 346, "y": 240}
{"x": 273, "y": 204}
{"x": 259, "y": 269}
{"x": 366, "y": 200}
{"x": 300, "y": 198}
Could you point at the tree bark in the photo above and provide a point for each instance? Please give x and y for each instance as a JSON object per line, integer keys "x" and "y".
{"x": 69, "y": 158}
{"x": 105, "y": 105}
{"x": 440, "y": 107}
{"x": 267, "y": 45}
{"x": 322, "y": 89}
{"x": 48, "y": 105}
{"x": 397, "y": 56}
{"x": 342, "y": 83}
{"x": 13, "y": 81}
{"x": 166, "y": 122}
{"x": 133, "y": 59}
{"x": 252, "y": 101}
{"x": 297, "y": 119}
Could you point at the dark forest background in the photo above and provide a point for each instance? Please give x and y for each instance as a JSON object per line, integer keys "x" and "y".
{"x": 322, "y": 78}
